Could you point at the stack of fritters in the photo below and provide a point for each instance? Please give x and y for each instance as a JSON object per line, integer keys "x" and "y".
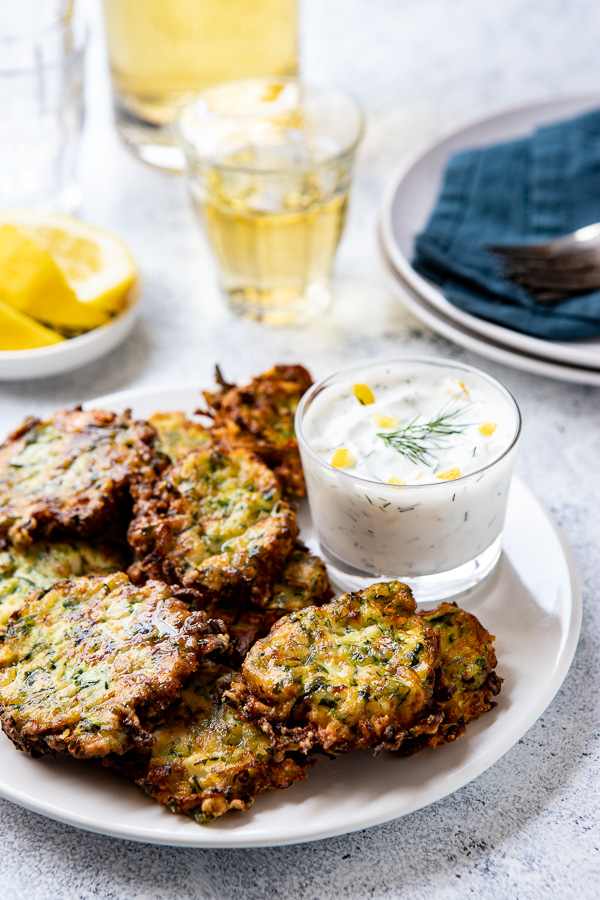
{"x": 215, "y": 668}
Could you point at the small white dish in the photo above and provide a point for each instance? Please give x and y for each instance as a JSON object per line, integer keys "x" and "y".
{"x": 532, "y": 603}
{"x": 43, "y": 362}
{"x": 406, "y": 206}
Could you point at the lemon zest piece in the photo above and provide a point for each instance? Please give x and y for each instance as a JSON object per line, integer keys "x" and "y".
{"x": 342, "y": 459}
{"x": 464, "y": 388}
{"x": 450, "y": 474}
{"x": 487, "y": 428}
{"x": 364, "y": 394}
{"x": 394, "y": 480}
{"x": 386, "y": 421}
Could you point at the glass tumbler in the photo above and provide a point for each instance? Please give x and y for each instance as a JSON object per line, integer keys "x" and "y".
{"x": 441, "y": 533}
{"x": 41, "y": 98}
{"x": 270, "y": 163}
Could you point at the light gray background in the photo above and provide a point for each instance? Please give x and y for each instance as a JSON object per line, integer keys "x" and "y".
{"x": 527, "y": 828}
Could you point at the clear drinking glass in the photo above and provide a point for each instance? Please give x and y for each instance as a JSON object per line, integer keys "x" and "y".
{"x": 269, "y": 167}
{"x": 41, "y": 103}
{"x": 162, "y": 52}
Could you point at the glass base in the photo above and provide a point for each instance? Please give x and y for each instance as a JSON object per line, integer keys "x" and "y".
{"x": 427, "y": 589}
{"x": 153, "y": 144}
{"x": 283, "y": 306}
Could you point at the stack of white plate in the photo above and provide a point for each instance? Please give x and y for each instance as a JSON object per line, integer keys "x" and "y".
{"x": 406, "y": 207}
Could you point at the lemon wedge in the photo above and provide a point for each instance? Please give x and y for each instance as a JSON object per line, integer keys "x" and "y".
{"x": 32, "y": 283}
{"x": 20, "y": 332}
{"x": 96, "y": 265}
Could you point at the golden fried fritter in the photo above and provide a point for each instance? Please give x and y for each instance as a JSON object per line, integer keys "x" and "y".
{"x": 71, "y": 474}
{"x": 356, "y": 672}
{"x": 215, "y": 522}
{"x": 303, "y": 582}
{"x": 468, "y": 661}
{"x": 177, "y": 434}
{"x": 83, "y": 661}
{"x": 260, "y": 416}
{"x": 207, "y": 759}
{"x": 41, "y": 564}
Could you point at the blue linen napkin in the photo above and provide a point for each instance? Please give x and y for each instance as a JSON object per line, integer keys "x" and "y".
{"x": 524, "y": 191}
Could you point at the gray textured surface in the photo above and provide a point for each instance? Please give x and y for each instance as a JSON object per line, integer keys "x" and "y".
{"x": 527, "y": 828}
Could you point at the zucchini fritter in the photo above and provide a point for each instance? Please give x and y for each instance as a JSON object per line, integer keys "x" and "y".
{"x": 80, "y": 663}
{"x": 303, "y": 582}
{"x": 207, "y": 759}
{"x": 215, "y": 522}
{"x": 468, "y": 661}
{"x": 71, "y": 474}
{"x": 356, "y": 672}
{"x": 260, "y": 417}
{"x": 177, "y": 435}
{"x": 42, "y": 564}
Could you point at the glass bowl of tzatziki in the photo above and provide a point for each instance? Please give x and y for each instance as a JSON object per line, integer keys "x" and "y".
{"x": 408, "y": 464}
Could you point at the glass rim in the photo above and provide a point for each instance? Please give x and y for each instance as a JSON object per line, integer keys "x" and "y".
{"x": 321, "y": 385}
{"x": 40, "y": 38}
{"x": 192, "y": 152}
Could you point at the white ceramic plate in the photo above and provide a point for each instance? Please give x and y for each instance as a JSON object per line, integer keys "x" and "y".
{"x": 411, "y": 195}
{"x": 483, "y": 346}
{"x": 532, "y": 603}
{"x": 42, "y": 362}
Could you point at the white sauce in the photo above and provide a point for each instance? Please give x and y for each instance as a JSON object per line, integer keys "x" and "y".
{"x": 430, "y": 524}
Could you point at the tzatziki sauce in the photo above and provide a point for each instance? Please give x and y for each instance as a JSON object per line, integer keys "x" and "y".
{"x": 408, "y": 465}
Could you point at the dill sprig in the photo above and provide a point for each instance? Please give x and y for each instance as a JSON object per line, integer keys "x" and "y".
{"x": 417, "y": 441}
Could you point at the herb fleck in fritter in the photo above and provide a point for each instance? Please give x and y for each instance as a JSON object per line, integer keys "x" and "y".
{"x": 83, "y": 661}
{"x": 356, "y": 672}
{"x": 216, "y": 522}
{"x": 41, "y": 564}
{"x": 71, "y": 474}
{"x": 260, "y": 416}
{"x": 207, "y": 759}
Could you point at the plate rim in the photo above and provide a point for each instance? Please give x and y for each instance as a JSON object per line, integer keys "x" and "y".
{"x": 206, "y": 839}
{"x": 450, "y": 330}
{"x": 552, "y": 351}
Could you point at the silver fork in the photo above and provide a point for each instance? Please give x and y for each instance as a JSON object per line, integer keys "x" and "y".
{"x": 555, "y": 270}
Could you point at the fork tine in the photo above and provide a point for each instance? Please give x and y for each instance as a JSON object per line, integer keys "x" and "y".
{"x": 571, "y": 277}
{"x": 580, "y": 240}
{"x": 572, "y": 286}
{"x": 571, "y": 262}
